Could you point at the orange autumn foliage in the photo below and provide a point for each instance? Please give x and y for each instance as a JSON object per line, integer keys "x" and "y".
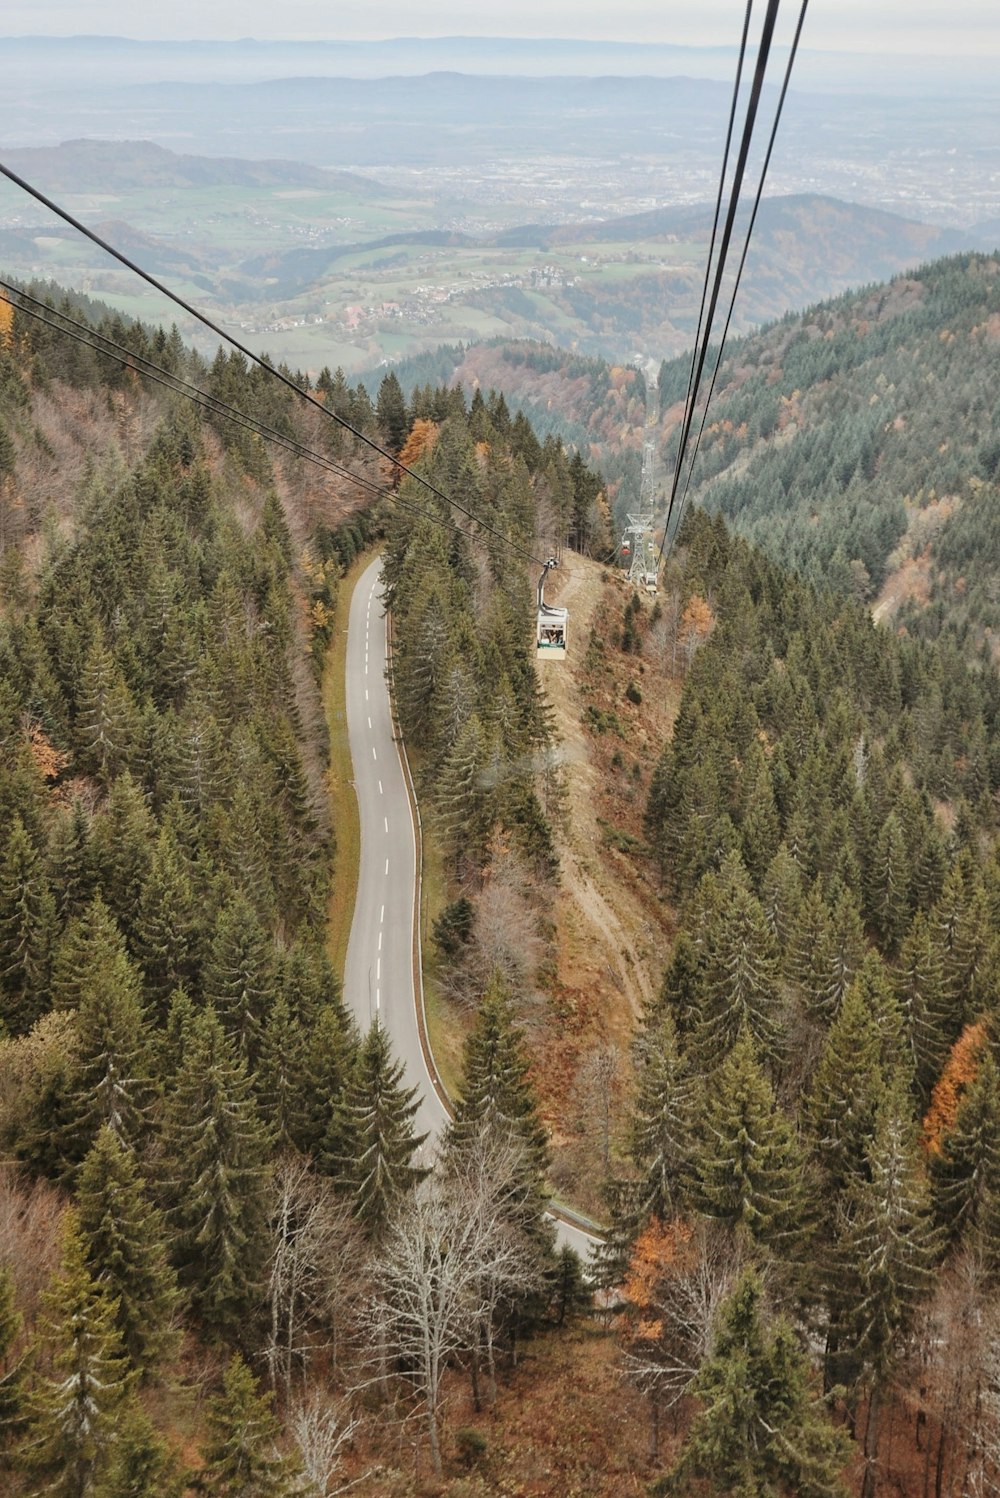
{"x": 960, "y": 1070}
{"x": 6, "y": 322}
{"x": 49, "y": 761}
{"x": 423, "y": 435}
{"x": 660, "y": 1249}
{"x": 698, "y": 617}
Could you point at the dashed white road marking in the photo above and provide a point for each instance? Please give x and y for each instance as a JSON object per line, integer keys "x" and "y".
{"x": 378, "y": 999}
{"x": 380, "y": 941}
{"x": 386, "y": 821}
{"x": 382, "y": 916}
{"x": 366, "y": 694}
{"x": 374, "y": 755}
{"x": 378, "y": 967}
{"x": 387, "y": 866}
{"x": 380, "y": 790}
{"x": 369, "y": 720}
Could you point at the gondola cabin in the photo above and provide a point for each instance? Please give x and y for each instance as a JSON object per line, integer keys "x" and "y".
{"x": 551, "y": 634}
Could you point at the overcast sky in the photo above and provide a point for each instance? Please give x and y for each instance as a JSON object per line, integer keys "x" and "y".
{"x": 922, "y": 27}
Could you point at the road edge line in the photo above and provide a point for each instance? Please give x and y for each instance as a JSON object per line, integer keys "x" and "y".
{"x": 416, "y": 826}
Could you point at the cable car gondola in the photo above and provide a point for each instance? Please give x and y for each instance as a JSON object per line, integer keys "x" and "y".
{"x": 550, "y": 630}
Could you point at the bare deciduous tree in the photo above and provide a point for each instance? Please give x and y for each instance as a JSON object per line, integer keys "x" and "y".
{"x": 436, "y": 1280}
{"x": 30, "y": 1214}
{"x": 679, "y": 1277}
{"x": 316, "y": 1257}
{"x": 322, "y": 1427}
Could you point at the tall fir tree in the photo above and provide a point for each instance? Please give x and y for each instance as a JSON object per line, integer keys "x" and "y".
{"x": 241, "y": 1456}
{"x": 111, "y": 1084}
{"x": 125, "y": 1238}
{"x": 73, "y": 1411}
{"x": 739, "y": 973}
{"x": 27, "y": 930}
{"x": 216, "y": 1186}
{"x": 746, "y": 1164}
{"x": 371, "y": 1143}
{"x": 760, "y": 1429}
{"x": 661, "y": 1120}
{"x": 239, "y": 979}
{"x": 964, "y": 1165}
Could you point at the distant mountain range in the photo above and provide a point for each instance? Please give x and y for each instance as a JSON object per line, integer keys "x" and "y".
{"x": 108, "y": 165}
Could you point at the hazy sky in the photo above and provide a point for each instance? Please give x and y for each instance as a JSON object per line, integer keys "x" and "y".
{"x": 922, "y": 27}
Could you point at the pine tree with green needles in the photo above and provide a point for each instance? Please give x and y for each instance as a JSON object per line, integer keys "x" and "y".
{"x": 810, "y": 957}
{"x": 880, "y": 1269}
{"x": 327, "y": 1067}
{"x": 73, "y": 1412}
{"x": 965, "y": 1164}
{"x": 928, "y": 1011}
{"x": 111, "y": 1084}
{"x": 375, "y": 1120}
{"x": 462, "y": 801}
{"x": 140, "y": 1464}
{"x": 239, "y": 977}
{"x": 70, "y": 861}
{"x": 842, "y": 1103}
{"x": 107, "y": 721}
{"x": 241, "y": 1457}
{"x": 661, "y": 1119}
{"x": 497, "y": 1095}
{"x": 760, "y": 1430}
{"x": 216, "y": 1149}
{"x": 746, "y": 1165}
{"x": 27, "y": 930}
{"x": 279, "y": 1075}
{"x": 125, "y": 1238}
{"x": 122, "y": 844}
{"x": 739, "y": 973}
{"x": 497, "y": 1104}
{"x": 166, "y": 924}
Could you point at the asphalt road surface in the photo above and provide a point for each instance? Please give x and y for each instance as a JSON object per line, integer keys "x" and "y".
{"x": 379, "y": 974}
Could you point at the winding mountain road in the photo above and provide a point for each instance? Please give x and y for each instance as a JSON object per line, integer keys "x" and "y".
{"x": 380, "y": 968}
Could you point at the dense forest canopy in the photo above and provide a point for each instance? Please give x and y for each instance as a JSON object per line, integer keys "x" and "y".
{"x": 213, "y": 1183}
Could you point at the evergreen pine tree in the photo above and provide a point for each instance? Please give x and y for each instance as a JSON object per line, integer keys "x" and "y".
{"x": 111, "y": 1082}
{"x": 882, "y": 1267}
{"x": 746, "y": 1165}
{"x": 965, "y": 1166}
{"x": 760, "y": 1430}
{"x": 27, "y": 923}
{"x": 280, "y": 1073}
{"x": 122, "y": 844}
{"x": 70, "y": 862}
{"x": 107, "y": 723}
{"x": 498, "y": 1104}
{"x": 239, "y": 976}
{"x": 841, "y": 1105}
{"x": 125, "y": 1239}
{"x": 216, "y": 1148}
{"x": 165, "y": 925}
{"x": 739, "y": 973}
{"x": 929, "y": 1018}
{"x": 140, "y": 1465}
{"x": 241, "y": 1458}
{"x": 662, "y": 1117}
{"x": 327, "y": 1065}
{"x": 376, "y": 1118}
{"x": 73, "y": 1411}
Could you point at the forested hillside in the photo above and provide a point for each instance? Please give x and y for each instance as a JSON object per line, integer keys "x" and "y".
{"x": 226, "y": 1263}
{"x": 208, "y": 1214}
{"x": 857, "y": 444}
